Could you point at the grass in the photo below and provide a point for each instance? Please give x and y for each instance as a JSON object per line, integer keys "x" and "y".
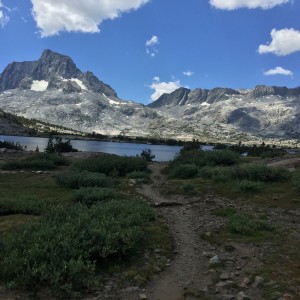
{"x": 31, "y": 185}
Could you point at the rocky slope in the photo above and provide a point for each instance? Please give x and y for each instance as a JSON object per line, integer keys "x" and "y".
{"x": 264, "y": 111}
{"x": 54, "y": 90}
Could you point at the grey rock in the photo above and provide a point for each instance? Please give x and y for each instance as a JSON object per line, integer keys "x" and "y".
{"x": 208, "y": 254}
{"x": 258, "y": 282}
{"x": 214, "y": 260}
{"x": 242, "y": 296}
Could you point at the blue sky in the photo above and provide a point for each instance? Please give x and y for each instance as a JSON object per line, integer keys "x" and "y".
{"x": 143, "y": 48}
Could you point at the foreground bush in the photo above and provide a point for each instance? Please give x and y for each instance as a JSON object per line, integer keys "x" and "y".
{"x": 25, "y": 206}
{"x": 75, "y": 179}
{"x": 62, "y": 250}
{"x": 116, "y": 165}
{"x": 91, "y": 195}
{"x": 38, "y": 161}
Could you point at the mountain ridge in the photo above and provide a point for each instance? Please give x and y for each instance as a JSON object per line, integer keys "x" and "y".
{"x": 54, "y": 90}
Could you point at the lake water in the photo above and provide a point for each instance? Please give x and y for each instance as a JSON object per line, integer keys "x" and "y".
{"x": 161, "y": 152}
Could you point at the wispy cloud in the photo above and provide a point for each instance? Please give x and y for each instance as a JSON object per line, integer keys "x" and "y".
{"x": 284, "y": 42}
{"x": 150, "y": 45}
{"x": 251, "y": 4}
{"x": 188, "y": 73}
{"x": 161, "y": 87}
{"x": 278, "y": 71}
{"x": 153, "y": 41}
{"x": 54, "y": 16}
{"x": 4, "y": 18}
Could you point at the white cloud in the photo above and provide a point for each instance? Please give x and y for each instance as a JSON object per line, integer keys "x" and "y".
{"x": 278, "y": 71}
{"x": 188, "y": 73}
{"x": 53, "y": 16}
{"x": 236, "y": 4}
{"x": 150, "y": 45}
{"x": 284, "y": 42}
{"x": 161, "y": 88}
{"x": 4, "y": 19}
{"x": 153, "y": 41}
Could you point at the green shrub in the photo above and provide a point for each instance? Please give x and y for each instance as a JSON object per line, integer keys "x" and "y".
{"x": 250, "y": 186}
{"x": 147, "y": 155}
{"x": 23, "y": 205}
{"x": 261, "y": 173}
{"x": 37, "y": 161}
{"x": 296, "y": 179}
{"x": 111, "y": 164}
{"x": 75, "y": 179}
{"x": 247, "y": 225}
{"x": 34, "y": 164}
{"x": 61, "y": 251}
{"x": 91, "y": 195}
{"x": 57, "y": 159}
{"x": 58, "y": 145}
{"x": 185, "y": 171}
{"x": 207, "y": 158}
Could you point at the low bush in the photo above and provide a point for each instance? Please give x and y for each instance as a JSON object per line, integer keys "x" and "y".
{"x": 23, "y": 205}
{"x": 75, "y": 179}
{"x": 111, "y": 164}
{"x": 61, "y": 251}
{"x": 206, "y": 158}
{"x": 247, "y": 225}
{"x": 184, "y": 171}
{"x": 296, "y": 179}
{"x": 261, "y": 173}
{"x": 91, "y": 195}
{"x": 38, "y": 161}
{"x": 250, "y": 186}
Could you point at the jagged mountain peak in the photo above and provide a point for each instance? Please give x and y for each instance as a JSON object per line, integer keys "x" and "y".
{"x": 51, "y": 71}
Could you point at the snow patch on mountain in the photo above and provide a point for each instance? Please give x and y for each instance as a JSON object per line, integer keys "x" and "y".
{"x": 39, "y": 85}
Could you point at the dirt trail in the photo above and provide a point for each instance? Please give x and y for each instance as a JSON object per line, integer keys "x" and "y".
{"x": 187, "y": 272}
